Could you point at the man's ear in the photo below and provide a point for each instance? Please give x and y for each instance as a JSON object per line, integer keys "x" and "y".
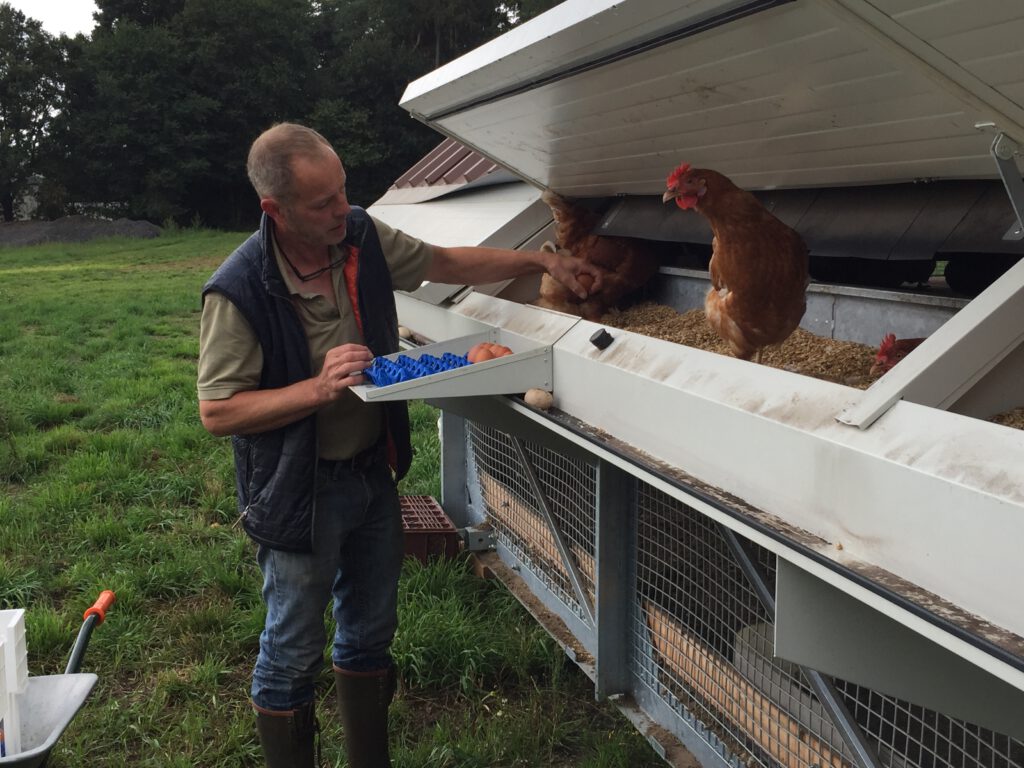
{"x": 272, "y": 208}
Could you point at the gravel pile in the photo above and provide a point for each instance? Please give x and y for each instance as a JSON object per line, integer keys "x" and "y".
{"x": 72, "y": 229}
{"x": 1014, "y": 418}
{"x": 845, "y": 362}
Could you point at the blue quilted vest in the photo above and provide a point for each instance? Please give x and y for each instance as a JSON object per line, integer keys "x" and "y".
{"x": 275, "y": 471}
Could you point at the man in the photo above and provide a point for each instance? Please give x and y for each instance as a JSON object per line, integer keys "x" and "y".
{"x": 289, "y": 321}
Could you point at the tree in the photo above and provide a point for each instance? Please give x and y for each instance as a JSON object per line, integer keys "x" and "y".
{"x": 134, "y": 127}
{"x": 111, "y": 13}
{"x": 31, "y": 94}
{"x": 161, "y": 113}
{"x": 256, "y": 59}
{"x": 372, "y": 50}
{"x": 166, "y": 97}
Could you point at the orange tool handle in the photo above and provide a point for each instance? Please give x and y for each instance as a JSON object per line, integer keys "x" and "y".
{"x": 99, "y": 608}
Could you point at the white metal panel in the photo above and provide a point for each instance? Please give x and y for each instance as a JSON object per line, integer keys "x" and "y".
{"x": 923, "y": 55}
{"x": 814, "y": 92}
{"x": 525, "y": 369}
{"x": 938, "y": 22}
{"x": 467, "y": 219}
{"x": 818, "y": 626}
{"x": 421, "y": 194}
{"x": 544, "y": 328}
{"x": 847, "y": 313}
{"x": 570, "y": 33}
{"x": 998, "y": 68}
{"x": 933, "y": 497}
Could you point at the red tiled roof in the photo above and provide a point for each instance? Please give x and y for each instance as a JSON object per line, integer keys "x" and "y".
{"x": 448, "y": 163}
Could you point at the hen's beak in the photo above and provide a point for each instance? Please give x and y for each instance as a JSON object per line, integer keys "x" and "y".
{"x": 670, "y": 194}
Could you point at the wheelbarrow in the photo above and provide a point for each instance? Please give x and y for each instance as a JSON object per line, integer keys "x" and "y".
{"x": 50, "y": 702}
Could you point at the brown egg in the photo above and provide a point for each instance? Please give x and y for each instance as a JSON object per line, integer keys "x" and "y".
{"x": 484, "y": 355}
{"x": 539, "y": 398}
{"x": 474, "y": 351}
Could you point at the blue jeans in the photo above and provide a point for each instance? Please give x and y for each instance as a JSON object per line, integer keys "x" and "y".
{"x": 356, "y": 559}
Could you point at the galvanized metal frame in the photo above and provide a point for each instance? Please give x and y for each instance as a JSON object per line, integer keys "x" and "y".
{"x": 691, "y": 407}
{"x": 606, "y": 641}
{"x": 616, "y": 543}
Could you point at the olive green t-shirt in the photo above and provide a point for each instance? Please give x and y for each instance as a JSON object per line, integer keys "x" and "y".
{"x": 231, "y": 360}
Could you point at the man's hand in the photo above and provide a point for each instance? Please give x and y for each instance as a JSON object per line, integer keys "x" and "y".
{"x": 260, "y": 410}
{"x": 343, "y": 368}
{"x": 579, "y": 276}
{"x": 478, "y": 265}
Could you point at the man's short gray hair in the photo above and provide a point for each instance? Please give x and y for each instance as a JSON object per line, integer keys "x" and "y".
{"x": 270, "y": 158}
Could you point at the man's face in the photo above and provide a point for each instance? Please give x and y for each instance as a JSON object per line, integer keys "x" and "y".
{"x": 316, "y": 210}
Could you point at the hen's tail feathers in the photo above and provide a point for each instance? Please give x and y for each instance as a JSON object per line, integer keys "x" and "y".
{"x": 552, "y": 199}
{"x": 560, "y": 207}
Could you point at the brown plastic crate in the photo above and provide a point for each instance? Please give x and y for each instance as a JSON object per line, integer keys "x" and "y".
{"x": 428, "y": 531}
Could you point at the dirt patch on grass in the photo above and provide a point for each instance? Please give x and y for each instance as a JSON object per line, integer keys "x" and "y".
{"x": 72, "y": 229}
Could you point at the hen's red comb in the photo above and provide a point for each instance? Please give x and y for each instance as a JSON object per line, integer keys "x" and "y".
{"x": 887, "y": 344}
{"x": 677, "y": 174}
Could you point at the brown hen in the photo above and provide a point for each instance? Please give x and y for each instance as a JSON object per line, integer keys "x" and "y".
{"x": 628, "y": 262}
{"x": 758, "y": 265}
{"x": 891, "y": 351}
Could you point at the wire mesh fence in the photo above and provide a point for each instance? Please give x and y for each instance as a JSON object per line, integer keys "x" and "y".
{"x": 515, "y": 509}
{"x": 700, "y": 638}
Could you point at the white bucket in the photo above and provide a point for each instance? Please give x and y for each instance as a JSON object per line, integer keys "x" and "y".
{"x": 13, "y": 678}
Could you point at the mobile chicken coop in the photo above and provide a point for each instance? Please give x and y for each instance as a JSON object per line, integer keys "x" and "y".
{"x": 765, "y": 567}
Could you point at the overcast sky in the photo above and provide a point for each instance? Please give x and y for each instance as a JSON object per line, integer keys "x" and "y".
{"x": 59, "y": 16}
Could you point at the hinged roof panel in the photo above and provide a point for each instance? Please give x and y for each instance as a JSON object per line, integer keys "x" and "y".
{"x": 602, "y": 98}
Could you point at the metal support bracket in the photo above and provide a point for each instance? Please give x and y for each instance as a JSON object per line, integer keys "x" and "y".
{"x": 567, "y": 559}
{"x": 1003, "y": 151}
{"x": 476, "y": 539}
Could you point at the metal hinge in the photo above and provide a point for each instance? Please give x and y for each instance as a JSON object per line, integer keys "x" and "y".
{"x": 1003, "y": 151}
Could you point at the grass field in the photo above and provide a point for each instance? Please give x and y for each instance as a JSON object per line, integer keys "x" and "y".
{"x": 108, "y": 481}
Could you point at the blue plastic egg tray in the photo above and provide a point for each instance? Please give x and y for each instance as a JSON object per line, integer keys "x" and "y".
{"x": 383, "y": 372}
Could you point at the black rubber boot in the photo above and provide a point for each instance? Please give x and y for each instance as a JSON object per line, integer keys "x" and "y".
{"x": 288, "y": 738}
{"x": 363, "y": 701}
